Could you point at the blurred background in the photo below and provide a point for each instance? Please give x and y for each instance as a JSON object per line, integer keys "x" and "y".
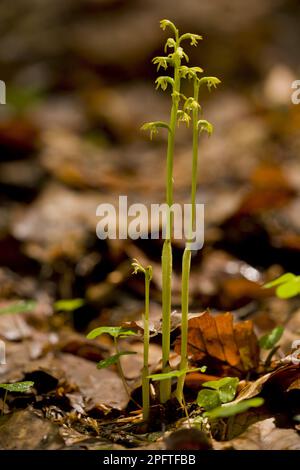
{"x": 80, "y": 84}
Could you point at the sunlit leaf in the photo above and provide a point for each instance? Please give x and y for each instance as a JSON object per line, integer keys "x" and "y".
{"x": 287, "y": 277}
{"x": 289, "y": 289}
{"x": 269, "y": 340}
{"x": 20, "y": 387}
{"x": 175, "y": 374}
{"x": 109, "y": 361}
{"x": 208, "y": 399}
{"x": 226, "y": 387}
{"x": 231, "y": 409}
{"x": 68, "y": 305}
{"x": 114, "y": 331}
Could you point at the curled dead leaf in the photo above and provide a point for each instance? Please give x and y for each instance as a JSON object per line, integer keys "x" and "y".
{"x": 222, "y": 345}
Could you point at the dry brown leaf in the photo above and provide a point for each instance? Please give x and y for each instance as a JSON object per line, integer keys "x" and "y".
{"x": 264, "y": 435}
{"x": 221, "y": 344}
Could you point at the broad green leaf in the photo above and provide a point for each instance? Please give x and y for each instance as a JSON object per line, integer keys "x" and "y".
{"x": 19, "y": 307}
{"x": 287, "y": 277}
{"x": 231, "y": 409}
{"x": 68, "y": 305}
{"x": 269, "y": 340}
{"x": 226, "y": 387}
{"x": 288, "y": 290}
{"x": 217, "y": 384}
{"x": 113, "y": 359}
{"x": 175, "y": 374}
{"x": 208, "y": 399}
{"x": 17, "y": 387}
{"x": 114, "y": 331}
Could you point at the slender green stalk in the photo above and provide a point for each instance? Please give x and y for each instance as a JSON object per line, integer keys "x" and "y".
{"x": 145, "y": 372}
{"x": 186, "y": 259}
{"x": 165, "y": 385}
{"x": 137, "y": 267}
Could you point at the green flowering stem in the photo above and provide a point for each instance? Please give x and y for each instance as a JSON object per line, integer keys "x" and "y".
{"x": 137, "y": 267}
{"x": 165, "y": 385}
{"x": 145, "y": 372}
{"x": 186, "y": 259}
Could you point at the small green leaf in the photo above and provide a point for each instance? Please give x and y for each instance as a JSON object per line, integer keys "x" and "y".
{"x": 226, "y": 387}
{"x": 217, "y": 384}
{"x": 175, "y": 374}
{"x": 208, "y": 399}
{"x": 287, "y": 277}
{"x": 19, "y": 307}
{"x": 20, "y": 387}
{"x": 113, "y": 359}
{"x": 68, "y": 305}
{"x": 269, "y": 340}
{"x": 289, "y": 289}
{"x": 114, "y": 331}
{"x": 231, "y": 409}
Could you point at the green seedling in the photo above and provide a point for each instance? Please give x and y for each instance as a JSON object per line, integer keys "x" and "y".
{"x": 20, "y": 387}
{"x": 137, "y": 267}
{"x": 190, "y": 105}
{"x": 287, "y": 286}
{"x": 116, "y": 332}
{"x": 68, "y": 305}
{"x": 269, "y": 342}
{"x": 19, "y": 307}
{"x": 216, "y": 392}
